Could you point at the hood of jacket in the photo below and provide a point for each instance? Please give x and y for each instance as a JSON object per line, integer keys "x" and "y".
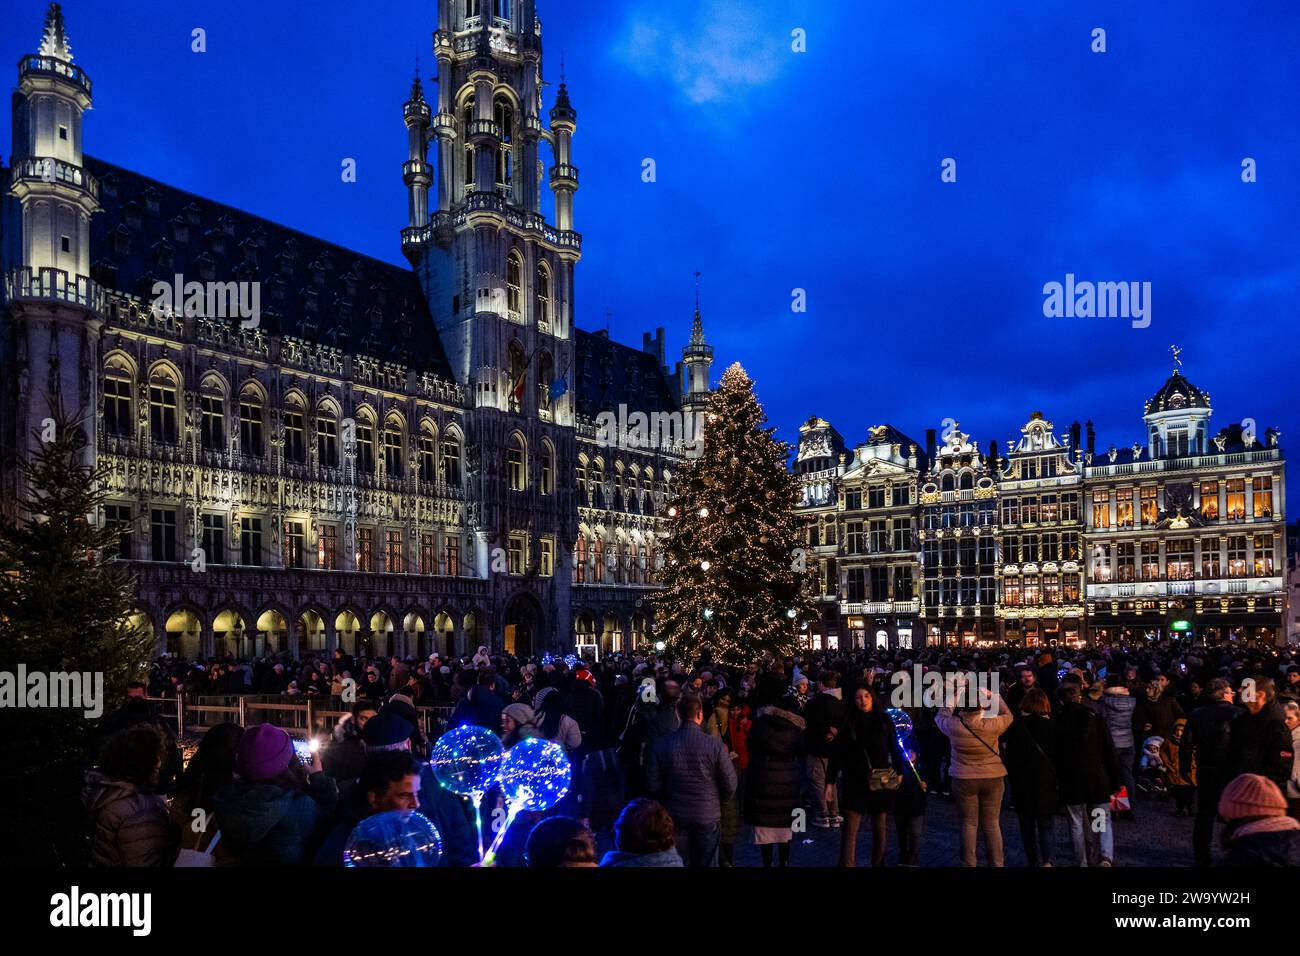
{"x": 99, "y": 791}
{"x": 771, "y": 710}
{"x": 249, "y": 811}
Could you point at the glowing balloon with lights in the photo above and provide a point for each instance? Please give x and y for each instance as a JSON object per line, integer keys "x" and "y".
{"x": 902, "y": 721}
{"x": 402, "y": 838}
{"x": 467, "y": 760}
{"x": 535, "y": 775}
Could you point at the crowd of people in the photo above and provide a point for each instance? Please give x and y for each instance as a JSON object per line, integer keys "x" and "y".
{"x": 675, "y": 763}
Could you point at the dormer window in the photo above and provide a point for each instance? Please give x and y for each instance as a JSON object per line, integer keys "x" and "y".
{"x": 227, "y": 225}
{"x": 180, "y": 230}
{"x": 191, "y": 213}
{"x": 151, "y": 200}
{"x": 163, "y": 254}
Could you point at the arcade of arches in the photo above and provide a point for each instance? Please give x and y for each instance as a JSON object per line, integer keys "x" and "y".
{"x": 191, "y": 632}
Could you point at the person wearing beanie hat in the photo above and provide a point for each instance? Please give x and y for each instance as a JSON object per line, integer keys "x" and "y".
{"x": 387, "y": 730}
{"x": 277, "y": 811}
{"x": 1258, "y": 831}
{"x": 517, "y": 722}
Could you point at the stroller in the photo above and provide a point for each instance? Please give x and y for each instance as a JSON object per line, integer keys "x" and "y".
{"x": 1153, "y": 779}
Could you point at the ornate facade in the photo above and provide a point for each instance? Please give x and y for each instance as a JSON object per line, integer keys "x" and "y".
{"x": 1054, "y": 542}
{"x": 385, "y": 459}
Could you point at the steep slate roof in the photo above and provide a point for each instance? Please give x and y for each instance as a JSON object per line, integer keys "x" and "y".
{"x": 609, "y": 375}
{"x": 312, "y": 289}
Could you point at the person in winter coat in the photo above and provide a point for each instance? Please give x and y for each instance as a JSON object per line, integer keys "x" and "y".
{"x": 693, "y": 774}
{"x": 723, "y": 724}
{"x": 344, "y": 755}
{"x": 978, "y": 775}
{"x": 390, "y": 782}
{"x": 773, "y": 779}
{"x": 1159, "y": 708}
{"x": 1087, "y": 774}
{"x": 1209, "y": 745}
{"x": 1031, "y": 766}
{"x": 1262, "y": 739}
{"x": 518, "y": 721}
{"x": 554, "y": 724}
{"x": 391, "y": 732}
{"x": 643, "y": 837}
{"x": 1258, "y": 831}
{"x": 823, "y": 716}
{"x": 909, "y": 806}
{"x": 276, "y": 813}
{"x": 864, "y": 742}
{"x": 1181, "y": 785}
{"x": 1292, "y": 789}
{"x": 210, "y": 769}
{"x": 1121, "y": 713}
{"x": 128, "y": 816}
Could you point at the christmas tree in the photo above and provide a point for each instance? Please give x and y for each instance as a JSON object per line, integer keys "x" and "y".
{"x": 734, "y": 572}
{"x": 65, "y": 606}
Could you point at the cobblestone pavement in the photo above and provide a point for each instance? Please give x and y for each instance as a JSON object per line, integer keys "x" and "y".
{"x": 1156, "y": 838}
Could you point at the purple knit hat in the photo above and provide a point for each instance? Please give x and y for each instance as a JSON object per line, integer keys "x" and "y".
{"x": 263, "y": 753}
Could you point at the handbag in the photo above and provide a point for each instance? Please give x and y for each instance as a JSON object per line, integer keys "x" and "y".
{"x": 888, "y": 779}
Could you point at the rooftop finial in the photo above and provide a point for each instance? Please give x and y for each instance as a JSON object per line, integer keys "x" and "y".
{"x": 697, "y": 326}
{"x": 54, "y": 41}
{"x": 417, "y": 88}
{"x": 1178, "y": 362}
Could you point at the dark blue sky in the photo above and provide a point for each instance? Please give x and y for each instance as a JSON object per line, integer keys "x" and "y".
{"x": 817, "y": 171}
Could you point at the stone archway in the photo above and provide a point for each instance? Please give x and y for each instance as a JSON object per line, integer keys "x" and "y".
{"x": 523, "y": 625}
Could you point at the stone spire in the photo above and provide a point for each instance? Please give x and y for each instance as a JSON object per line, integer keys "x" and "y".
{"x": 54, "y": 41}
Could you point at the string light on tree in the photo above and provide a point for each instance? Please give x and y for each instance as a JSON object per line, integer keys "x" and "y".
{"x": 737, "y": 498}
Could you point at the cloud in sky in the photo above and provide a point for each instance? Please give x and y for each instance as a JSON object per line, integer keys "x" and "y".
{"x": 712, "y": 52}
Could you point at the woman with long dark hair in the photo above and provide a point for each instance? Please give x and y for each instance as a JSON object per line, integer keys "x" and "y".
{"x": 210, "y": 769}
{"x": 867, "y": 755}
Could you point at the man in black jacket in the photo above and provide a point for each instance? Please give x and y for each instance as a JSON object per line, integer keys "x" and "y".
{"x": 1263, "y": 741}
{"x": 823, "y": 716}
{"x": 1209, "y": 740}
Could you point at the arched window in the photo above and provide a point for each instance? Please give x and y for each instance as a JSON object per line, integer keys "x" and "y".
{"x": 598, "y": 562}
{"x": 548, "y": 468}
{"x": 598, "y": 483}
{"x": 467, "y": 119}
{"x": 544, "y": 296}
{"x": 503, "y": 112}
{"x": 327, "y": 437}
{"x": 948, "y": 484}
{"x": 162, "y": 405}
{"x": 517, "y": 463}
{"x": 394, "y": 447}
{"x": 584, "y": 491}
{"x": 620, "y": 503}
{"x": 451, "y": 459}
{"x": 428, "y": 453}
{"x": 365, "y": 450}
{"x": 514, "y": 283}
{"x": 967, "y": 481}
{"x": 295, "y": 429}
{"x": 251, "y": 418}
{"x": 119, "y": 387}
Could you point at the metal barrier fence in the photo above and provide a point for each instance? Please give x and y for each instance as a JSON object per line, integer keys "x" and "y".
{"x": 302, "y": 717}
